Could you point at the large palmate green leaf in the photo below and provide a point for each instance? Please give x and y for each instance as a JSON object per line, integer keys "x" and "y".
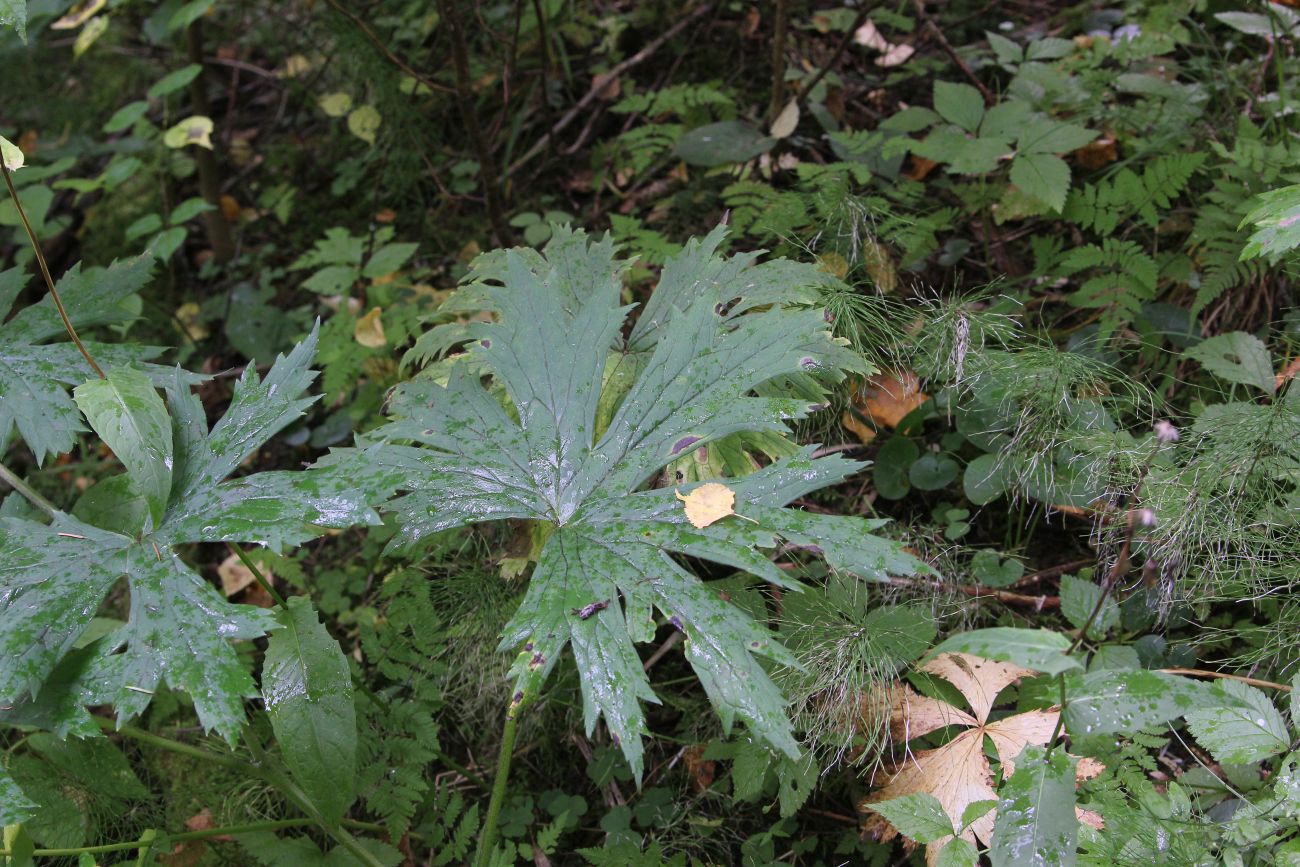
{"x": 38, "y": 363}
{"x": 710, "y": 356}
{"x": 54, "y": 577}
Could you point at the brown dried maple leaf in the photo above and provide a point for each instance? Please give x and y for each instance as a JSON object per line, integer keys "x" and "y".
{"x": 958, "y": 774}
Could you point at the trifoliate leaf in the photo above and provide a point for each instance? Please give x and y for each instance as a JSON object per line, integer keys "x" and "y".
{"x": 35, "y": 372}
{"x": 54, "y": 577}
{"x": 709, "y": 353}
{"x": 708, "y": 503}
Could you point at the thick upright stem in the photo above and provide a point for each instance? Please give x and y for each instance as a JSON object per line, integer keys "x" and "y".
{"x": 488, "y": 838}
{"x": 214, "y": 220}
{"x": 469, "y": 116}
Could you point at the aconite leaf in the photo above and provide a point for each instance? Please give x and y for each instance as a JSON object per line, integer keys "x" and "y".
{"x": 53, "y": 577}
{"x": 708, "y": 359}
{"x": 1127, "y": 702}
{"x": 308, "y": 693}
{"x": 38, "y": 363}
{"x": 129, "y": 416}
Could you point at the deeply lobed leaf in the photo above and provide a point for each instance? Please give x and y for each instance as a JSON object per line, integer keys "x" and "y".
{"x": 712, "y": 355}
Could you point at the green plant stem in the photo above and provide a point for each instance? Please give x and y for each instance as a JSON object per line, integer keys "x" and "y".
{"x": 177, "y": 747}
{"x": 45, "y": 272}
{"x": 257, "y": 573}
{"x": 269, "y": 772}
{"x": 262, "y": 768}
{"x": 488, "y": 838}
{"x": 10, "y": 478}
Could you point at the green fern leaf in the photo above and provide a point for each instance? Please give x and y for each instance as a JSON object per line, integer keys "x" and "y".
{"x": 714, "y": 335}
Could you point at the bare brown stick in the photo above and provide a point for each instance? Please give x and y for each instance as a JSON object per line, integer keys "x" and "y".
{"x": 205, "y": 159}
{"x": 919, "y": 5}
{"x": 383, "y": 49}
{"x": 975, "y": 591}
{"x": 779, "y": 29}
{"x": 45, "y": 272}
{"x": 662, "y": 650}
{"x": 1200, "y": 672}
{"x": 858, "y": 21}
{"x": 601, "y": 83}
{"x": 469, "y": 116}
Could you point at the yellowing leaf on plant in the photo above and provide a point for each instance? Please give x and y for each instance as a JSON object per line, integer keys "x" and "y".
{"x": 94, "y": 29}
{"x": 336, "y": 104}
{"x": 364, "y": 123}
{"x": 78, "y": 15}
{"x": 708, "y": 503}
{"x": 294, "y": 65}
{"x": 196, "y": 130}
{"x": 369, "y": 330}
{"x": 786, "y": 121}
{"x": 11, "y": 154}
{"x": 958, "y": 773}
{"x": 187, "y": 316}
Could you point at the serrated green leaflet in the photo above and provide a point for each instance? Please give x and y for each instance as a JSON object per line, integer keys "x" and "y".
{"x": 1126, "y": 702}
{"x": 1036, "y": 825}
{"x": 15, "y": 807}
{"x": 35, "y": 371}
{"x": 717, "y": 343}
{"x": 129, "y": 415}
{"x": 920, "y": 816}
{"x": 308, "y": 692}
{"x": 1245, "y": 728}
{"x": 53, "y": 577}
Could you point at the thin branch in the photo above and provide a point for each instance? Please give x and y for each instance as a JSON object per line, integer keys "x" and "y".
{"x": 45, "y": 272}
{"x": 601, "y": 83}
{"x": 956, "y": 58}
{"x": 10, "y": 478}
{"x": 1200, "y": 672}
{"x": 469, "y": 116}
{"x": 388, "y": 55}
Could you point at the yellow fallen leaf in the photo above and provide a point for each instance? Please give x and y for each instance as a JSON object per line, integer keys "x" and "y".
{"x": 369, "y": 330}
{"x": 364, "y": 122}
{"x": 294, "y": 66}
{"x": 708, "y": 503}
{"x": 12, "y": 155}
{"x": 958, "y": 773}
{"x": 886, "y": 398}
{"x": 336, "y": 104}
{"x": 94, "y": 29}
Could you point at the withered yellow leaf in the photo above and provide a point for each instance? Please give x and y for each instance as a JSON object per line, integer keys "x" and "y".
{"x": 369, "y": 330}
{"x": 708, "y": 503}
{"x": 235, "y": 576}
{"x": 958, "y": 773}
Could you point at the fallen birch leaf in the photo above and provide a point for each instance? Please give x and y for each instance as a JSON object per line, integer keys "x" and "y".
{"x": 708, "y": 503}
{"x": 369, "y": 330}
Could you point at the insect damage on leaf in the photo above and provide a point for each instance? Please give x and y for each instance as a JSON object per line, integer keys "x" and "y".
{"x": 724, "y": 349}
